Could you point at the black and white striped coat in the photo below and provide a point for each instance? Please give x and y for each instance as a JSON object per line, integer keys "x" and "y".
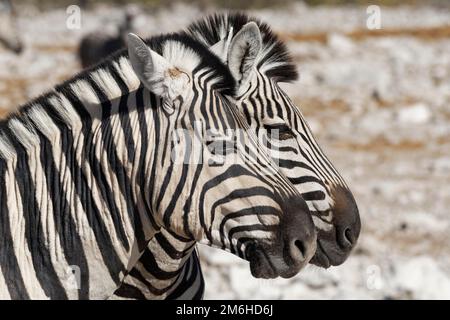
{"x": 86, "y": 177}
{"x": 267, "y": 109}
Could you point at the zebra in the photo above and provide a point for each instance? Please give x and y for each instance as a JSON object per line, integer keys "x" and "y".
{"x": 266, "y": 108}
{"x": 9, "y": 36}
{"x": 87, "y": 177}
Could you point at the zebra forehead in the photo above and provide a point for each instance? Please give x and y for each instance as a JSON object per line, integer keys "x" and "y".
{"x": 189, "y": 54}
{"x": 181, "y": 56}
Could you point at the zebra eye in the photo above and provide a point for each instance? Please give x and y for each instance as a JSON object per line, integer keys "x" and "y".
{"x": 279, "y": 131}
{"x": 285, "y": 135}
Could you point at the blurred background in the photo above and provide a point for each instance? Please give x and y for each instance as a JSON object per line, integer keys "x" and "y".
{"x": 375, "y": 88}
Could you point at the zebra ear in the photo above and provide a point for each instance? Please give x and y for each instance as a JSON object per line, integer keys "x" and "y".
{"x": 155, "y": 72}
{"x": 243, "y": 50}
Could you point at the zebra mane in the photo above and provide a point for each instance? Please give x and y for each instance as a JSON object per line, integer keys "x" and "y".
{"x": 179, "y": 48}
{"x": 274, "y": 59}
{"x": 23, "y": 124}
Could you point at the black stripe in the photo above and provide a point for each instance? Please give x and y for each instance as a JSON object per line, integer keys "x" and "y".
{"x": 313, "y": 195}
{"x": 240, "y": 243}
{"x": 287, "y": 103}
{"x": 84, "y": 192}
{"x": 128, "y": 291}
{"x": 248, "y": 228}
{"x": 245, "y": 108}
{"x": 242, "y": 194}
{"x": 153, "y": 290}
{"x": 65, "y": 226}
{"x": 9, "y": 266}
{"x": 220, "y": 115}
{"x": 258, "y": 210}
{"x": 290, "y": 164}
{"x": 109, "y": 149}
{"x": 167, "y": 178}
{"x": 232, "y": 171}
{"x": 187, "y": 282}
{"x": 199, "y": 274}
{"x": 305, "y": 179}
{"x": 176, "y": 195}
{"x": 34, "y": 232}
{"x": 151, "y": 266}
{"x": 170, "y": 250}
{"x": 124, "y": 114}
{"x": 140, "y": 178}
{"x": 188, "y": 204}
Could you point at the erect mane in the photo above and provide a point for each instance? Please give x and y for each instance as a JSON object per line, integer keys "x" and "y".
{"x": 205, "y": 59}
{"x": 274, "y": 59}
{"x": 183, "y": 41}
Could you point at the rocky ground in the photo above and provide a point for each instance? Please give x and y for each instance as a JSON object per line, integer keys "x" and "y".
{"x": 379, "y": 105}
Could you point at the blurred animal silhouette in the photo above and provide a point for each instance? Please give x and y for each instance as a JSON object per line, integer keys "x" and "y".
{"x": 98, "y": 45}
{"x": 9, "y": 34}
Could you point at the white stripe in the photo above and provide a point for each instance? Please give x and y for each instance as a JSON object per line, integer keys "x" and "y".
{"x": 98, "y": 271}
{"x": 89, "y": 98}
{"x": 127, "y": 73}
{"x": 25, "y": 134}
{"x": 66, "y": 112}
{"x": 107, "y": 84}
{"x": 18, "y": 229}
{"x": 6, "y": 149}
{"x": 50, "y": 236}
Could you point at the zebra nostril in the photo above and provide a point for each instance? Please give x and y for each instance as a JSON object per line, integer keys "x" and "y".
{"x": 298, "y": 233}
{"x": 348, "y": 235}
{"x": 301, "y": 247}
{"x": 298, "y": 251}
{"x": 348, "y": 238}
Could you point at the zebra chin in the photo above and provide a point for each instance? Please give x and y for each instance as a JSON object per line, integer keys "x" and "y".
{"x": 335, "y": 245}
{"x": 267, "y": 263}
{"x": 290, "y": 250}
{"x": 328, "y": 255}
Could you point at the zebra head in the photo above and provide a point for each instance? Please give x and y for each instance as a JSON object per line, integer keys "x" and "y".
{"x": 227, "y": 193}
{"x": 268, "y": 109}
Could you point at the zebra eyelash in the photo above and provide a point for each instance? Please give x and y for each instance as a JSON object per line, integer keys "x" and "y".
{"x": 284, "y": 132}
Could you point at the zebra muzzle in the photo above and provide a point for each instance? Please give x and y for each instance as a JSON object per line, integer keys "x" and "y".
{"x": 292, "y": 248}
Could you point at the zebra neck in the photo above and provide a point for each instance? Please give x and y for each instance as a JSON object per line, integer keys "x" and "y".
{"x": 118, "y": 114}
{"x": 168, "y": 268}
{"x": 72, "y": 167}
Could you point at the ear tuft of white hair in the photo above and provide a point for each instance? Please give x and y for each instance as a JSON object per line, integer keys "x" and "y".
{"x": 243, "y": 51}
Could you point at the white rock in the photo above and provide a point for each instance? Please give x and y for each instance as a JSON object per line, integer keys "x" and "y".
{"x": 422, "y": 278}
{"x": 340, "y": 43}
{"x": 217, "y": 257}
{"x": 421, "y": 221}
{"x": 241, "y": 281}
{"x": 415, "y": 114}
